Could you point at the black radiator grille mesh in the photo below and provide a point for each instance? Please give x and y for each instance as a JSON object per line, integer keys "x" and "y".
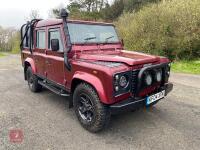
{"x": 134, "y": 81}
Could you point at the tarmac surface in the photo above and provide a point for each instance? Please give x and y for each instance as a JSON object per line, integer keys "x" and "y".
{"x": 47, "y": 123}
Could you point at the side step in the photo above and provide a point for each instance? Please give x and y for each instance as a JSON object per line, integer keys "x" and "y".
{"x": 52, "y": 88}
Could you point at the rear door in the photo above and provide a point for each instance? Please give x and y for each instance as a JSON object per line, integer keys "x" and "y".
{"x": 39, "y": 51}
{"x": 55, "y": 59}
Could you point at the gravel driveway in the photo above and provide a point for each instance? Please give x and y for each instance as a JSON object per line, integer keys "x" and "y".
{"x": 47, "y": 123}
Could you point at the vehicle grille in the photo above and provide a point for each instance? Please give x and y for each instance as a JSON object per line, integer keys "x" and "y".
{"x": 134, "y": 84}
{"x": 134, "y": 81}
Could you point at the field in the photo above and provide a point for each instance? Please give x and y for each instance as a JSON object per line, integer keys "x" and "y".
{"x": 192, "y": 67}
{"x": 1, "y": 54}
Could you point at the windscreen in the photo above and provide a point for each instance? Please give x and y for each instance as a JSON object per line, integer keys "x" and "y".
{"x": 87, "y": 33}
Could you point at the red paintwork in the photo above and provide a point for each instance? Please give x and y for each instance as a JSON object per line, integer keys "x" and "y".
{"x": 149, "y": 89}
{"x": 50, "y": 22}
{"x": 91, "y": 78}
{"x": 32, "y": 64}
{"x": 81, "y": 58}
{"x": 130, "y": 58}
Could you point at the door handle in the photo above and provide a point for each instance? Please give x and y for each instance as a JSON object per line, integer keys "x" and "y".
{"x": 47, "y": 62}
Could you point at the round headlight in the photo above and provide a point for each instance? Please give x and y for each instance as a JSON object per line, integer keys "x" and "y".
{"x": 148, "y": 79}
{"x": 158, "y": 76}
{"x": 123, "y": 81}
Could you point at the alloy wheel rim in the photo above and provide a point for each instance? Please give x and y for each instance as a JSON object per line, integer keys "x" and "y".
{"x": 85, "y": 108}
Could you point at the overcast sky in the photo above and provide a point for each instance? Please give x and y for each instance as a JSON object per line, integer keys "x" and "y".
{"x": 14, "y": 12}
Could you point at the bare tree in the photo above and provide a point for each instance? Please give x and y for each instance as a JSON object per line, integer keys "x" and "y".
{"x": 55, "y": 12}
{"x": 90, "y": 5}
{"x": 34, "y": 14}
{"x": 7, "y": 38}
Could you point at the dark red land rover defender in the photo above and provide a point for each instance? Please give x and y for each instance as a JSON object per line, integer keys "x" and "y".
{"x": 86, "y": 60}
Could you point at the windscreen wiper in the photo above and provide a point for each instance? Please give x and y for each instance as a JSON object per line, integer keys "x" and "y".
{"x": 110, "y": 37}
{"x": 89, "y": 38}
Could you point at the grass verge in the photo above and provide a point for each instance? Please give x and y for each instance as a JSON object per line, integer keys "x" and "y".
{"x": 192, "y": 67}
{"x": 1, "y": 54}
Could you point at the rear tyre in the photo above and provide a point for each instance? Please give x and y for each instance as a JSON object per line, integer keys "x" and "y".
{"x": 91, "y": 113}
{"x": 32, "y": 79}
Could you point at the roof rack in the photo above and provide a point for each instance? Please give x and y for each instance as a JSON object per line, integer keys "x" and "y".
{"x": 28, "y": 34}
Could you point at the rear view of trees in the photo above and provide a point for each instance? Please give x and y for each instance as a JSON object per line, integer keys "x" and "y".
{"x": 84, "y": 9}
{"x": 34, "y": 14}
{"x": 113, "y": 11}
{"x": 9, "y": 40}
{"x": 135, "y": 5}
{"x": 10, "y": 37}
{"x": 89, "y": 5}
{"x": 163, "y": 27}
{"x": 169, "y": 28}
{"x": 101, "y": 9}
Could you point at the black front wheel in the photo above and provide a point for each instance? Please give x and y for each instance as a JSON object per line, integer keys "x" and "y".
{"x": 91, "y": 113}
{"x": 32, "y": 79}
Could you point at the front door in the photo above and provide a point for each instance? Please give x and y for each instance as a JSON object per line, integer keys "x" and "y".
{"x": 54, "y": 65}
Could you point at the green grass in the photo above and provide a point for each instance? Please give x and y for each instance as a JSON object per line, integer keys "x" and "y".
{"x": 192, "y": 67}
{"x": 1, "y": 54}
{"x": 15, "y": 52}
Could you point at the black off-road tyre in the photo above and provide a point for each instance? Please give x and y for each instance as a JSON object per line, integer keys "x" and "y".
{"x": 97, "y": 115}
{"x": 32, "y": 79}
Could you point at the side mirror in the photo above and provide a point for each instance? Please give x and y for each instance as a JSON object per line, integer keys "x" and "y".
{"x": 55, "y": 44}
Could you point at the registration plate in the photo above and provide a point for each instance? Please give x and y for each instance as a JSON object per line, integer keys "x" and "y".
{"x": 155, "y": 97}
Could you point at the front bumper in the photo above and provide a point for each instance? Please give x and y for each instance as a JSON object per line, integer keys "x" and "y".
{"x": 134, "y": 103}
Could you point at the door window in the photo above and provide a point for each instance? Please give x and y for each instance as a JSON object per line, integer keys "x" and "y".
{"x": 41, "y": 39}
{"x": 55, "y": 34}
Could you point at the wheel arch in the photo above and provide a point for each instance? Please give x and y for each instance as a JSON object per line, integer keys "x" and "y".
{"x": 92, "y": 80}
{"x": 29, "y": 62}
